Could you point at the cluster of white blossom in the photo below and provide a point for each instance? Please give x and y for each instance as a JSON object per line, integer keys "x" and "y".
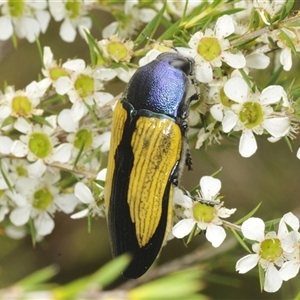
{"x": 276, "y": 253}
{"x": 28, "y": 19}
{"x": 52, "y": 139}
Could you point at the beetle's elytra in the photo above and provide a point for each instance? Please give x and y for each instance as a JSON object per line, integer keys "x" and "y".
{"x": 148, "y": 150}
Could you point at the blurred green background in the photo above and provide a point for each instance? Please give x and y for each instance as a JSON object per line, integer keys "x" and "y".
{"x": 270, "y": 176}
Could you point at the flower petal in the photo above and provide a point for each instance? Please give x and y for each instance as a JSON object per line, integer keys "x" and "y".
{"x": 248, "y": 145}
{"x": 216, "y": 112}
{"x": 272, "y": 94}
{"x": 277, "y": 127}
{"x": 229, "y": 121}
{"x": 215, "y": 234}
{"x": 63, "y": 85}
{"x": 210, "y": 187}
{"x": 67, "y": 32}
{"x": 257, "y": 61}
{"x": 253, "y": 229}
{"x": 246, "y": 263}
{"x": 36, "y": 169}
{"x": 83, "y": 193}
{"x": 289, "y": 219}
{"x": 66, "y": 202}
{"x": 183, "y": 228}
{"x": 236, "y": 60}
{"x": 236, "y": 89}
{"x": 44, "y": 224}
{"x": 273, "y": 280}
{"x": 5, "y": 144}
{"x": 286, "y": 58}
{"x": 6, "y": 28}
{"x": 181, "y": 199}
{"x": 62, "y": 153}
{"x": 66, "y": 122}
{"x": 224, "y": 26}
{"x": 80, "y": 214}
{"x": 20, "y": 215}
{"x": 289, "y": 270}
{"x": 203, "y": 72}
{"x": 19, "y": 149}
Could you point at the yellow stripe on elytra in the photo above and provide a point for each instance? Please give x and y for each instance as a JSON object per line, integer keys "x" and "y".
{"x": 119, "y": 119}
{"x": 156, "y": 145}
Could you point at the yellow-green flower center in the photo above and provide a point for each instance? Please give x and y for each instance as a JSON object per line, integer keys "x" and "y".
{"x": 16, "y": 8}
{"x": 270, "y": 249}
{"x": 224, "y": 99}
{"x": 40, "y": 145}
{"x": 209, "y": 48}
{"x": 251, "y": 114}
{"x": 21, "y": 171}
{"x": 57, "y": 72}
{"x": 203, "y": 212}
{"x": 84, "y": 85}
{"x": 42, "y": 199}
{"x": 117, "y": 50}
{"x": 21, "y": 106}
{"x": 83, "y": 139}
{"x": 2, "y": 192}
{"x": 73, "y": 7}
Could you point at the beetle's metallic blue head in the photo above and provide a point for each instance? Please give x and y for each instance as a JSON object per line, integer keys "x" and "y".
{"x": 161, "y": 86}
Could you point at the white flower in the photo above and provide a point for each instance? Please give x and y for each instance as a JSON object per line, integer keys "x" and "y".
{"x": 268, "y": 8}
{"x": 286, "y": 53}
{"x": 209, "y": 49}
{"x": 204, "y": 216}
{"x": 26, "y": 18}
{"x": 74, "y": 15}
{"x": 291, "y": 267}
{"x": 270, "y": 251}
{"x": 83, "y": 86}
{"x": 52, "y": 70}
{"x": 133, "y": 17}
{"x": 86, "y": 137}
{"x": 176, "y": 8}
{"x": 40, "y": 145}
{"x": 39, "y": 199}
{"x": 21, "y": 103}
{"x": 116, "y": 49}
{"x": 85, "y": 195}
{"x": 253, "y": 113}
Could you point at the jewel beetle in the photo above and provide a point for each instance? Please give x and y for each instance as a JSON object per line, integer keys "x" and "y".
{"x": 147, "y": 153}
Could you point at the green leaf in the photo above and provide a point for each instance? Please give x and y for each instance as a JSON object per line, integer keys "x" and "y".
{"x": 286, "y": 9}
{"x": 180, "y": 285}
{"x": 151, "y": 27}
{"x": 240, "y": 240}
{"x": 31, "y": 281}
{"x": 293, "y": 24}
{"x": 288, "y": 142}
{"x": 261, "y": 275}
{"x": 104, "y": 276}
{"x": 78, "y": 155}
{"x": 41, "y": 120}
{"x": 289, "y": 42}
{"x": 5, "y": 177}
{"x": 8, "y": 121}
{"x": 249, "y": 215}
{"x": 246, "y": 77}
{"x": 93, "y": 45}
{"x": 275, "y": 76}
{"x": 40, "y": 50}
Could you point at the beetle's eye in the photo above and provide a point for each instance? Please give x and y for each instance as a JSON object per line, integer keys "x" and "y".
{"x": 182, "y": 64}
